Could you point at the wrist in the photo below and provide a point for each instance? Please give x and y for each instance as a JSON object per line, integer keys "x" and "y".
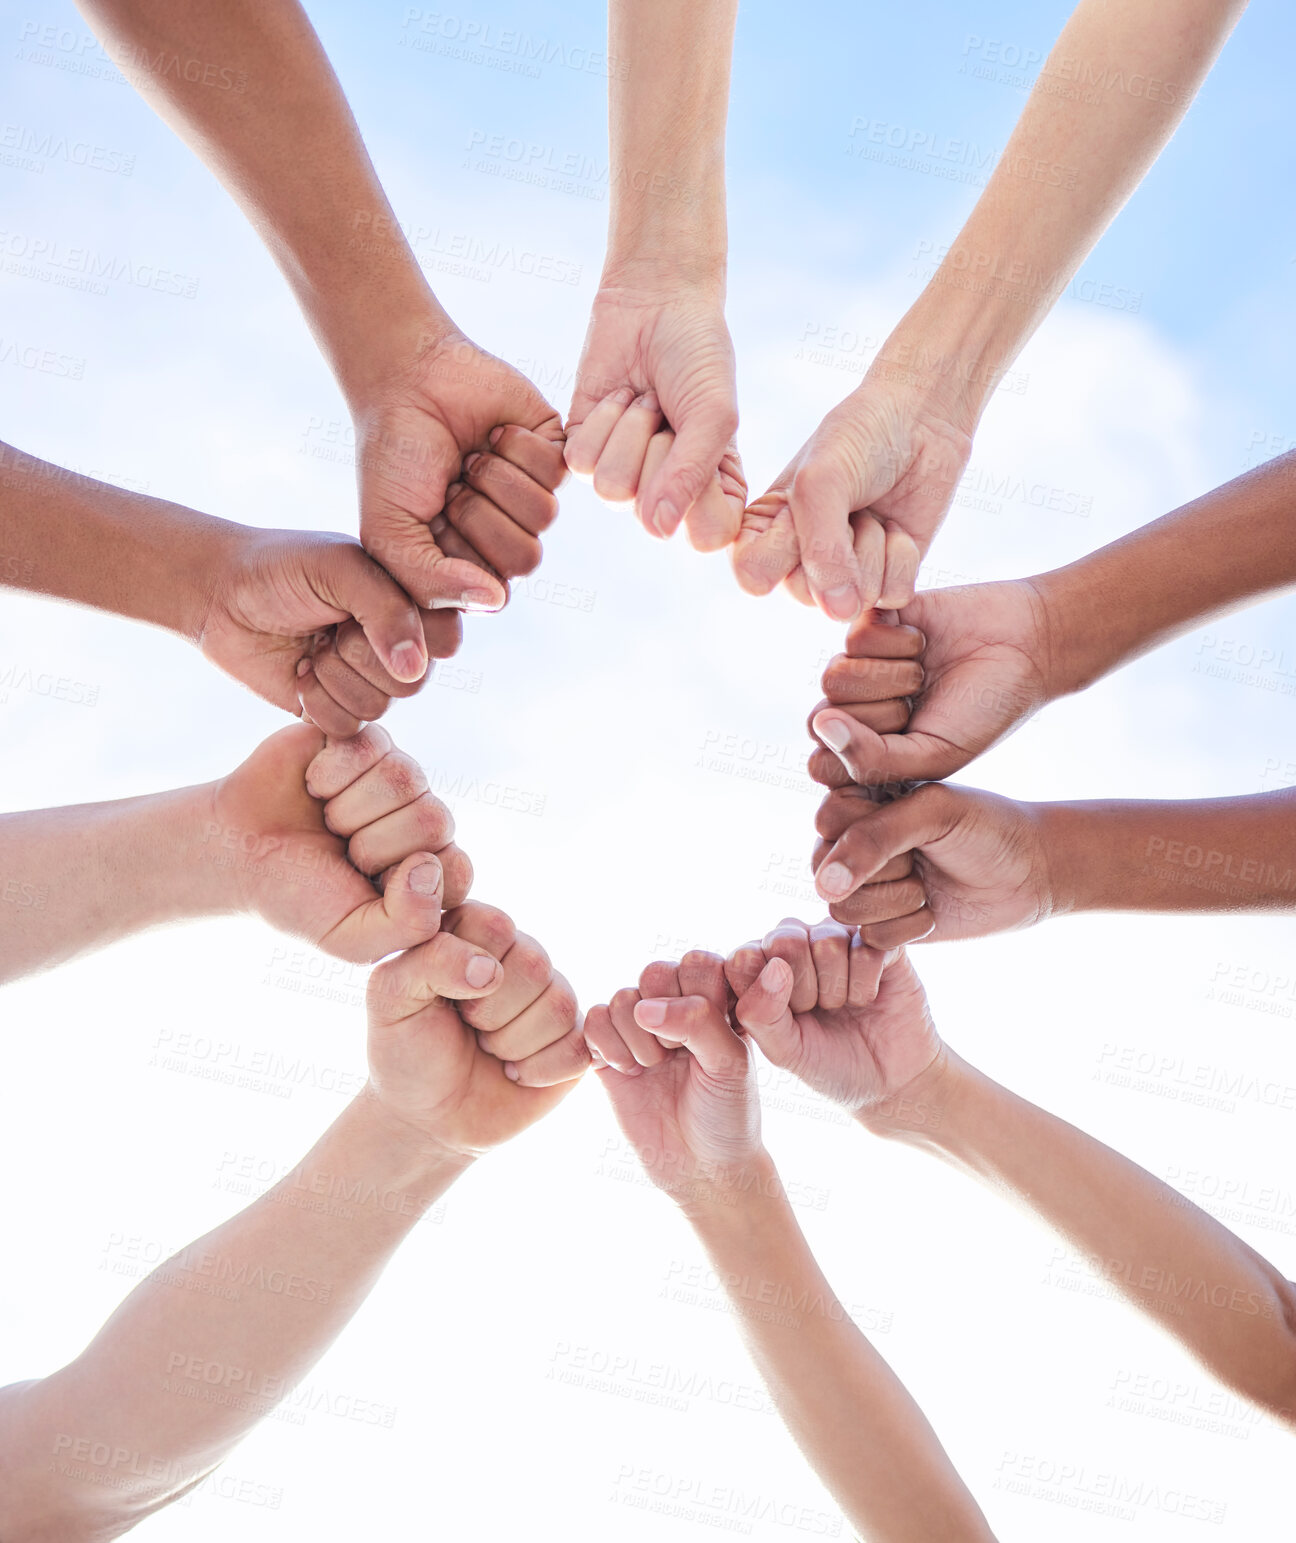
{"x": 1071, "y": 851}
{"x": 375, "y": 336}
{"x": 723, "y": 1198}
{"x": 419, "y": 1163}
{"x": 666, "y": 270}
{"x": 1078, "y": 642}
{"x": 924, "y": 1110}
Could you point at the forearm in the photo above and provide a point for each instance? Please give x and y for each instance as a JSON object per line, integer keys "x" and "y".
{"x": 1228, "y": 1306}
{"x": 848, "y": 1412}
{"x": 1111, "y": 92}
{"x": 668, "y": 105}
{"x": 288, "y": 150}
{"x": 85, "y": 875}
{"x": 1233, "y": 544}
{"x": 1218, "y": 854}
{"x": 75, "y": 539}
{"x": 246, "y": 1310}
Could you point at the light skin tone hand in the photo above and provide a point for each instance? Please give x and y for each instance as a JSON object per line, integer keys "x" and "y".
{"x": 1225, "y": 1304}
{"x": 457, "y": 454}
{"x": 683, "y": 1090}
{"x": 847, "y": 520}
{"x": 304, "y": 619}
{"x": 658, "y": 355}
{"x": 434, "y": 1102}
{"x": 988, "y": 864}
{"x": 336, "y": 842}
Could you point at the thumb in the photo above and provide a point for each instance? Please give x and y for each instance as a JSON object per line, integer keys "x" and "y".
{"x": 688, "y": 470}
{"x": 906, "y": 824}
{"x": 764, "y": 1011}
{"x": 351, "y": 581}
{"x": 872, "y": 759}
{"x": 407, "y": 912}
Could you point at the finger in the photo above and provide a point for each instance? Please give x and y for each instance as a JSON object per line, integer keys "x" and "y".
{"x": 507, "y": 547}
{"x": 898, "y": 867}
{"x": 820, "y": 501}
{"x": 528, "y": 974}
{"x": 319, "y": 708}
{"x": 879, "y": 902}
{"x": 715, "y": 518}
{"x": 899, "y": 931}
{"x": 616, "y": 477}
{"x": 866, "y": 966}
{"x": 526, "y": 501}
{"x": 348, "y": 578}
{"x": 797, "y": 586}
{"x": 561, "y": 1062}
{"x": 420, "y": 826}
{"x": 659, "y": 979}
{"x": 341, "y": 761}
{"x": 902, "y": 826}
{"x": 605, "y": 1043}
{"x": 870, "y": 555}
{"x": 830, "y": 946}
{"x": 347, "y": 687}
{"x": 654, "y": 456}
{"x": 763, "y": 1010}
{"x": 900, "y": 575}
{"x": 389, "y": 784}
{"x": 765, "y": 552}
{"x": 790, "y": 941}
{"x": 643, "y": 1048}
{"x": 551, "y": 1017}
{"x": 538, "y": 455}
{"x": 743, "y": 966}
{"x": 888, "y": 716}
{"x": 404, "y": 544}
{"x": 586, "y": 441}
{"x": 406, "y": 913}
{"x": 444, "y": 966}
{"x": 691, "y": 466}
{"x": 701, "y": 974}
{"x": 847, "y": 680}
{"x": 877, "y": 634}
{"x": 355, "y": 650}
{"x": 700, "y": 1027}
{"x": 871, "y": 758}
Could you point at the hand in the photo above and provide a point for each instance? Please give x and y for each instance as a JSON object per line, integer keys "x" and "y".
{"x": 981, "y": 862}
{"x": 458, "y": 457}
{"x": 652, "y": 356}
{"x": 967, "y": 667}
{"x": 850, "y": 519}
{"x": 340, "y": 842}
{"x": 310, "y": 623}
{"x": 436, "y": 1063}
{"x": 848, "y": 1020}
{"x": 679, "y": 1078}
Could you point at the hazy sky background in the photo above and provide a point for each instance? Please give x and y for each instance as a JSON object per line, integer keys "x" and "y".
{"x": 514, "y": 1350}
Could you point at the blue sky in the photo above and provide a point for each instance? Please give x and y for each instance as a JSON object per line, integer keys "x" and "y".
{"x": 620, "y": 714}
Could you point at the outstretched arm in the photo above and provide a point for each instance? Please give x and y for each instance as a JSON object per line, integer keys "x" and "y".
{"x": 248, "y": 1309}
{"x": 657, "y": 360}
{"x": 864, "y": 497}
{"x": 683, "y": 1089}
{"x": 976, "y": 661}
{"x": 302, "y": 834}
{"x": 870, "y": 1045}
{"x": 426, "y": 401}
{"x": 1225, "y": 1303}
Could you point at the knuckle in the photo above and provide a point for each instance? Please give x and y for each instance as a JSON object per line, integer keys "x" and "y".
{"x": 402, "y": 776}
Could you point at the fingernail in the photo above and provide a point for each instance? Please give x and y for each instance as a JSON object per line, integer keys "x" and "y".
{"x": 650, "y": 1015}
{"x": 426, "y": 880}
{"x": 473, "y": 462}
{"x": 480, "y": 970}
{"x": 484, "y": 599}
{"x": 494, "y": 438}
{"x": 775, "y": 975}
{"x": 833, "y": 732}
{"x": 666, "y": 518}
{"x": 835, "y": 880}
{"x": 407, "y": 662}
{"x": 303, "y": 667}
{"x": 842, "y": 602}
{"x": 511, "y": 1071}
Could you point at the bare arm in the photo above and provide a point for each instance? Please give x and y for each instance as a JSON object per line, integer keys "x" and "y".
{"x": 1228, "y": 1306}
